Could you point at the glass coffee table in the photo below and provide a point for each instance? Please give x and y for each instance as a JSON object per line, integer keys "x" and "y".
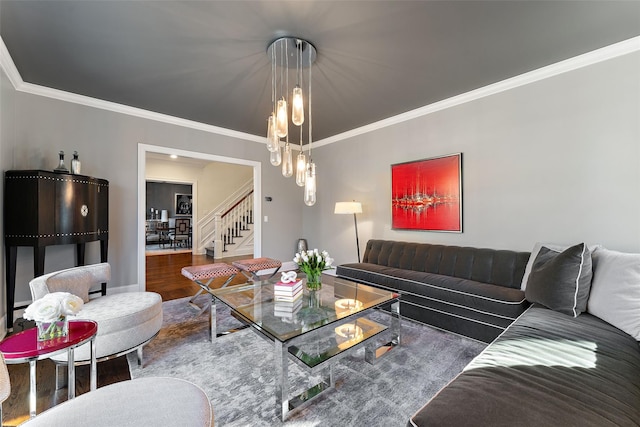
{"x": 315, "y": 331}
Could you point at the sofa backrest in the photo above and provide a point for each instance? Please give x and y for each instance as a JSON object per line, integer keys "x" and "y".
{"x": 498, "y": 267}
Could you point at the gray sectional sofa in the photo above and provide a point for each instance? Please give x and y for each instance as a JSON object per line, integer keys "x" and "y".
{"x": 572, "y": 358}
{"x": 547, "y": 369}
{"x": 469, "y": 291}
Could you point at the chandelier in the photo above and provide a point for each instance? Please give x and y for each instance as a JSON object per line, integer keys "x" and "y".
{"x": 290, "y": 57}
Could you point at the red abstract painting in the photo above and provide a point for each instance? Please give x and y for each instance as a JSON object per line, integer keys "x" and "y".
{"x": 427, "y": 194}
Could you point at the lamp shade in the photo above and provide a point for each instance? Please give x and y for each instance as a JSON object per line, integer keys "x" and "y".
{"x": 348, "y": 208}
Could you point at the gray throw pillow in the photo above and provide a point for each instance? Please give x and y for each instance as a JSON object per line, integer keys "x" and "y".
{"x": 561, "y": 280}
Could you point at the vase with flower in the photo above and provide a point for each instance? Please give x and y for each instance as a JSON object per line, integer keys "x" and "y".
{"x": 51, "y": 314}
{"x": 312, "y": 263}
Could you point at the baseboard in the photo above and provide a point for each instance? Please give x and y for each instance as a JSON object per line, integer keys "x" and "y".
{"x": 123, "y": 289}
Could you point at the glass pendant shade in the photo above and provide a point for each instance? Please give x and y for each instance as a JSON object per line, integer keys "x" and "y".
{"x": 273, "y": 141}
{"x": 282, "y": 122}
{"x": 301, "y": 169}
{"x": 297, "y": 106}
{"x": 275, "y": 157}
{"x": 287, "y": 161}
{"x": 310, "y": 185}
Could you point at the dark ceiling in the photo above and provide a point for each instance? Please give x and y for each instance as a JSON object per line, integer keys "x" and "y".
{"x": 206, "y": 60}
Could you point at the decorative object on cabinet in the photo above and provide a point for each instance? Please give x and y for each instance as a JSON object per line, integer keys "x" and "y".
{"x": 44, "y": 208}
{"x": 427, "y": 194}
{"x": 61, "y": 166}
{"x": 75, "y": 164}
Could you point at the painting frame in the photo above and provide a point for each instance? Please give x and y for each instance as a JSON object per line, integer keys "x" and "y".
{"x": 426, "y": 194}
{"x": 183, "y": 204}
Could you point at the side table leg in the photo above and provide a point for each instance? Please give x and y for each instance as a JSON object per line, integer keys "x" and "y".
{"x": 32, "y": 388}
{"x": 71, "y": 372}
{"x": 94, "y": 367}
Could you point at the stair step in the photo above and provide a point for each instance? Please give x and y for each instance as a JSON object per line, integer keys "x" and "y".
{"x": 210, "y": 252}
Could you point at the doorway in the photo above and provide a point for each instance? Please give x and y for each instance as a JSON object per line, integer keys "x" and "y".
{"x": 144, "y": 151}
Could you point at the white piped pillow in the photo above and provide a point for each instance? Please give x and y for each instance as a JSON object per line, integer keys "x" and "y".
{"x": 615, "y": 290}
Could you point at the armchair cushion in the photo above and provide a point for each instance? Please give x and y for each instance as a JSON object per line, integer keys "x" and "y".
{"x": 77, "y": 281}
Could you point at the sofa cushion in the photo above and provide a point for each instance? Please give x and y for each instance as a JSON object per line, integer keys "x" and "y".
{"x": 561, "y": 280}
{"x": 545, "y": 369}
{"x": 498, "y": 267}
{"x": 615, "y": 290}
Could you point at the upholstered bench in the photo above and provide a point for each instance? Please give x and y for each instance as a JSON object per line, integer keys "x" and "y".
{"x": 167, "y": 402}
{"x": 251, "y": 267}
{"x": 199, "y": 273}
{"x": 126, "y": 321}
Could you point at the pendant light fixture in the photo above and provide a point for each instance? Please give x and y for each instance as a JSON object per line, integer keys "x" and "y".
{"x": 288, "y": 55}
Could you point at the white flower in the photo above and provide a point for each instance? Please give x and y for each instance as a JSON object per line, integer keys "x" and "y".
{"x": 297, "y": 258}
{"x": 43, "y": 310}
{"x": 305, "y": 258}
{"x": 328, "y": 261}
{"x": 325, "y": 254}
{"x": 71, "y": 304}
{"x": 315, "y": 251}
{"x": 53, "y": 306}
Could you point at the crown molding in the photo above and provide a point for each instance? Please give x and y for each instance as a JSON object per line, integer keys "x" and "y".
{"x": 6, "y": 62}
{"x": 20, "y": 85}
{"x": 590, "y": 58}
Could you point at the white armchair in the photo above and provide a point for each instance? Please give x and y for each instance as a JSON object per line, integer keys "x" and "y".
{"x": 155, "y": 401}
{"x": 126, "y": 321}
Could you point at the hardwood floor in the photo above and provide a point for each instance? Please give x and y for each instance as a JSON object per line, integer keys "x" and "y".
{"x": 163, "y": 275}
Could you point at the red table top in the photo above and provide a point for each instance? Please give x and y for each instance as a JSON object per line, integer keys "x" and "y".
{"x": 25, "y": 345}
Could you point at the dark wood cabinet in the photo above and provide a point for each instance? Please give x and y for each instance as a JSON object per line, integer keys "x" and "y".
{"x": 44, "y": 208}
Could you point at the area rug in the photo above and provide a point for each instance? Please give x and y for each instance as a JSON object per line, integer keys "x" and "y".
{"x": 236, "y": 371}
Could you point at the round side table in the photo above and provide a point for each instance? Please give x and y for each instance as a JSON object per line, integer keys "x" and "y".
{"x": 24, "y": 347}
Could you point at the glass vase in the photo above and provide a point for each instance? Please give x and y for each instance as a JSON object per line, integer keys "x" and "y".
{"x": 50, "y": 330}
{"x": 314, "y": 280}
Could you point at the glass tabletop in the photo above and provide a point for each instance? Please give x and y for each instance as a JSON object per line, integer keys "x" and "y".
{"x": 284, "y": 320}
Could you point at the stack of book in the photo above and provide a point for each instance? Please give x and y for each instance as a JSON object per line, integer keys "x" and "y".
{"x": 288, "y": 298}
{"x": 287, "y": 309}
{"x": 287, "y": 292}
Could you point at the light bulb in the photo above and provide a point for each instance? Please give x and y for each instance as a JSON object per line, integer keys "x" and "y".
{"x": 297, "y": 106}
{"x": 281, "y": 119}
{"x": 273, "y": 141}
{"x": 287, "y": 161}
{"x": 275, "y": 157}
{"x": 310, "y": 185}
{"x": 301, "y": 169}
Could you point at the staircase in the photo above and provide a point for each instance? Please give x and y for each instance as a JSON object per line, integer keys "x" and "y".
{"x": 230, "y": 229}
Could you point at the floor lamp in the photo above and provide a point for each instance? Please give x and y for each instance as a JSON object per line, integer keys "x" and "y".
{"x": 350, "y": 208}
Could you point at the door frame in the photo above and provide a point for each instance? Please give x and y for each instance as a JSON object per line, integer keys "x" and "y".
{"x": 143, "y": 149}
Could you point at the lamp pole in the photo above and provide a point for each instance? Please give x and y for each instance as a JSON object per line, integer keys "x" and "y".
{"x": 355, "y": 222}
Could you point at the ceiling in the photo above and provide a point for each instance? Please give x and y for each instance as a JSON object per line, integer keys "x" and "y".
{"x": 206, "y": 60}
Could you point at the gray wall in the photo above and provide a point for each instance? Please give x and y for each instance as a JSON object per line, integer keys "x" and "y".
{"x": 108, "y": 146}
{"x": 161, "y": 195}
{"x": 7, "y": 136}
{"x": 556, "y": 161}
